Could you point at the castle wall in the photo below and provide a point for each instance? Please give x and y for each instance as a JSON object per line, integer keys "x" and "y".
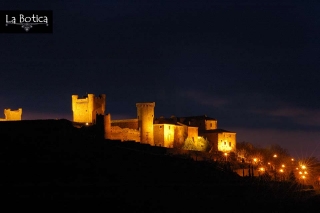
{"x": 221, "y": 141}
{"x": 99, "y": 106}
{"x": 126, "y": 123}
{"x": 164, "y": 135}
{"x": 145, "y": 113}
{"x": 124, "y": 134}
{"x": 193, "y": 133}
{"x": 12, "y": 115}
{"x": 227, "y": 142}
{"x": 168, "y": 135}
{"x": 212, "y": 138}
{"x": 85, "y": 109}
{"x": 158, "y": 134}
{"x": 180, "y": 135}
{"x": 211, "y": 124}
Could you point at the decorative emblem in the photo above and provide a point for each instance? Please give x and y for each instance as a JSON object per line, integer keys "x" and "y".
{"x": 26, "y": 26}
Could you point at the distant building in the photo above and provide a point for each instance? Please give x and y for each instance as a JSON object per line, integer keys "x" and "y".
{"x": 12, "y": 115}
{"x": 169, "y": 132}
{"x": 145, "y": 128}
{"x": 220, "y": 139}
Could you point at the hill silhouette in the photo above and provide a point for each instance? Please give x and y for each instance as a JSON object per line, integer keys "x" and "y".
{"x": 49, "y": 165}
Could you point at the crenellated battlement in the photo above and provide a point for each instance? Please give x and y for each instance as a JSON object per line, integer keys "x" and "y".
{"x": 86, "y": 108}
{"x": 12, "y": 115}
{"x": 147, "y": 104}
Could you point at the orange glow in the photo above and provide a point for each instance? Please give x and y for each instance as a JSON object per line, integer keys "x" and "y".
{"x": 275, "y": 156}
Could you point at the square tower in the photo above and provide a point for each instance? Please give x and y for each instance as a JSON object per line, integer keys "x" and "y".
{"x": 86, "y": 108}
{"x": 13, "y": 115}
{"x": 145, "y": 113}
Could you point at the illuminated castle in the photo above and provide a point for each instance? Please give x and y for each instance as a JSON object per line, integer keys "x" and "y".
{"x": 86, "y": 108}
{"x": 12, "y": 115}
{"x": 166, "y": 132}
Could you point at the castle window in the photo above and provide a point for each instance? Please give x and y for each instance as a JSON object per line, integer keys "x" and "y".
{"x": 169, "y": 127}
{"x": 210, "y": 124}
{"x": 225, "y": 143}
{"x": 229, "y": 143}
{"x": 160, "y": 127}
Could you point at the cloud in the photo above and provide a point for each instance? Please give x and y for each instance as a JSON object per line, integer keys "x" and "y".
{"x": 298, "y": 115}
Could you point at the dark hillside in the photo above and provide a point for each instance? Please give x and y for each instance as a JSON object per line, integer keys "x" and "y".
{"x": 49, "y": 165}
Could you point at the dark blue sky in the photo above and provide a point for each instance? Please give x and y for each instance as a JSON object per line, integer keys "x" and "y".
{"x": 254, "y": 67}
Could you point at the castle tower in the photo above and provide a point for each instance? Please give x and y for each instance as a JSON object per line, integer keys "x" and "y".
{"x": 145, "y": 112}
{"x": 85, "y": 109}
{"x": 13, "y": 115}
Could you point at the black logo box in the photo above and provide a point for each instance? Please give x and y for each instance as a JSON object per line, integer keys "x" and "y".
{"x": 30, "y": 24}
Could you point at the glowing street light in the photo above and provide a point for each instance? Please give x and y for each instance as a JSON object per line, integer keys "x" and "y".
{"x": 226, "y": 154}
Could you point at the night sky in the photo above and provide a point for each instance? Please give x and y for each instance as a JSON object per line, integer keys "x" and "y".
{"x": 254, "y": 67}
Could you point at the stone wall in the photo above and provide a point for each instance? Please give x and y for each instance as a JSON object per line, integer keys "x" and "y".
{"x": 126, "y": 123}
{"x": 124, "y": 134}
